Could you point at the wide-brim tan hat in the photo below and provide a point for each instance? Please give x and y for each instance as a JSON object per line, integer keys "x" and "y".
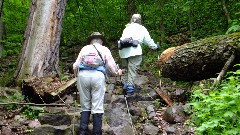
{"x": 95, "y": 35}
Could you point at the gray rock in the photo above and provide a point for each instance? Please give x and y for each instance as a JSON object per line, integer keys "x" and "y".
{"x": 151, "y": 111}
{"x": 174, "y": 114}
{"x": 107, "y": 98}
{"x": 50, "y": 130}
{"x": 110, "y": 88}
{"x": 34, "y": 123}
{"x": 123, "y": 130}
{"x": 53, "y": 110}
{"x": 117, "y": 115}
{"x": 170, "y": 129}
{"x": 55, "y": 119}
{"x": 140, "y": 80}
{"x": 151, "y": 129}
{"x": 69, "y": 100}
{"x": 6, "y": 131}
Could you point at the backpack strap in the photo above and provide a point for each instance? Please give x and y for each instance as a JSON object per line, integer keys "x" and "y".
{"x": 106, "y": 77}
{"x": 99, "y": 54}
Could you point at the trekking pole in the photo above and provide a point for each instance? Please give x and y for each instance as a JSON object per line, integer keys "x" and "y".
{"x": 75, "y": 105}
{"x": 128, "y": 108}
{"x": 129, "y": 115}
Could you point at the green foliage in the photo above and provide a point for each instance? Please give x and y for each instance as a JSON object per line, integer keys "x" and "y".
{"x": 157, "y": 102}
{"x": 9, "y": 60}
{"x": 150, "y": 58}
{"x": 234, "y": 25}
{"x": 16, "y": 97}
{"x": 82, "y": 18}
{"x": 15, "y": 14}
{"x": 32, "y": 113}
{"x": 6, "y": 77}
{"x": 15, "y": 19}
{"x": 63, "y": 77}
{"x": 10, "y": 48}
{"x": 217, "y": 110}
{"x": 234, "y": 28}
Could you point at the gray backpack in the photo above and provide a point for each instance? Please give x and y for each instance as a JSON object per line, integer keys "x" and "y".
{"x": 92, "y": 59}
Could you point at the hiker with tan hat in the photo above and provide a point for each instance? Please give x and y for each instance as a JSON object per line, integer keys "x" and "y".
{"x": 130, "y": 51}
{"x": 92, "y": 64}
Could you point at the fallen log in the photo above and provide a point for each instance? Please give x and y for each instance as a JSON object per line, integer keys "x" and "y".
{"x": 47, "y": 89}
{"x": 199, "y": 60}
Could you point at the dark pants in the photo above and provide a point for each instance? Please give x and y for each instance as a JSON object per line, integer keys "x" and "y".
{"x": 97, "y": 123}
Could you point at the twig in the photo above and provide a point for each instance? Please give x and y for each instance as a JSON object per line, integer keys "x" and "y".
{"x": 161, "y": 93}
{"x": 31, "y": 104}
{"x": 164, "y": 96}
{"x": 224, "y": 70}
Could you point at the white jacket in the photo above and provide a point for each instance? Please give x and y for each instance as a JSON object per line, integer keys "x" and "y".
{"x": 137, "y": 32}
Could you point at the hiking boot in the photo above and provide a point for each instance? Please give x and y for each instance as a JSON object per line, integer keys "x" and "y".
{"x": 84, "y": 122}
{"x": 124, "y": 85}
{"x": 131, "y": 94}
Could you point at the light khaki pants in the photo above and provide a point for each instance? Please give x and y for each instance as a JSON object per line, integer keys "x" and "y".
{"x": 91, "y": 85}
{"x": 132, "y": 65}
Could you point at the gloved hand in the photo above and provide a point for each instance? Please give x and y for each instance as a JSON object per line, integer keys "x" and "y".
{"x": 158, "y": 46}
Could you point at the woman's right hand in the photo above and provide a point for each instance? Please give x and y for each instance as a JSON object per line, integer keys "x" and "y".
{"x": 119, "y": 72}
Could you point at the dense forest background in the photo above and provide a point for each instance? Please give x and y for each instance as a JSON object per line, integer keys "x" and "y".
{"x": 172, "y": 23}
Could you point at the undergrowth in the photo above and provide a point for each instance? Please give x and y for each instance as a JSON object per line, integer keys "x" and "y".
{"x": 216, "y": 111}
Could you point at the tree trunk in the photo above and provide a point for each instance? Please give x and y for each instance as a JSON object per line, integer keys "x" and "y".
{"x": 2, "y": 28}
{"x": 161, "y": 22}
{"x": 199, "y": 60}
{"x": 225, "y": 11}
{"x": 40, "y": 53}
{"x": 131, "y": 8}
{"x": 190, "y": 20}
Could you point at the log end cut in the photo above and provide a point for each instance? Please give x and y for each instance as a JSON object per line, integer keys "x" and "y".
{"x": 166, "y": 55}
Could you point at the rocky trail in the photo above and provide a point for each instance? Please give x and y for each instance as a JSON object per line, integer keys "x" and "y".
{"x": 145, "y": 114}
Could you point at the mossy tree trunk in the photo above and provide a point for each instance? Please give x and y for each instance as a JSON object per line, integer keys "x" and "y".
{"x": 40, "y": 53}
{"x": 2, "y": 28}
{"x": 202, "y": 59}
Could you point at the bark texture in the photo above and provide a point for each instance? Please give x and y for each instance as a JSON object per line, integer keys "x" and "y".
{"x": 40, "y": 54}
{"x": 199, "y": 60}
{"x": 2, "y": 28}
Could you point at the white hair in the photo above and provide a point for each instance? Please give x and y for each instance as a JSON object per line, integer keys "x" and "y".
{"x": 96, "y": 40}
{"x": 136, "y": 18}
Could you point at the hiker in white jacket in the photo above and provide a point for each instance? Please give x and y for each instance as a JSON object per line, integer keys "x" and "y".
{"x": 130, "y": 50}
